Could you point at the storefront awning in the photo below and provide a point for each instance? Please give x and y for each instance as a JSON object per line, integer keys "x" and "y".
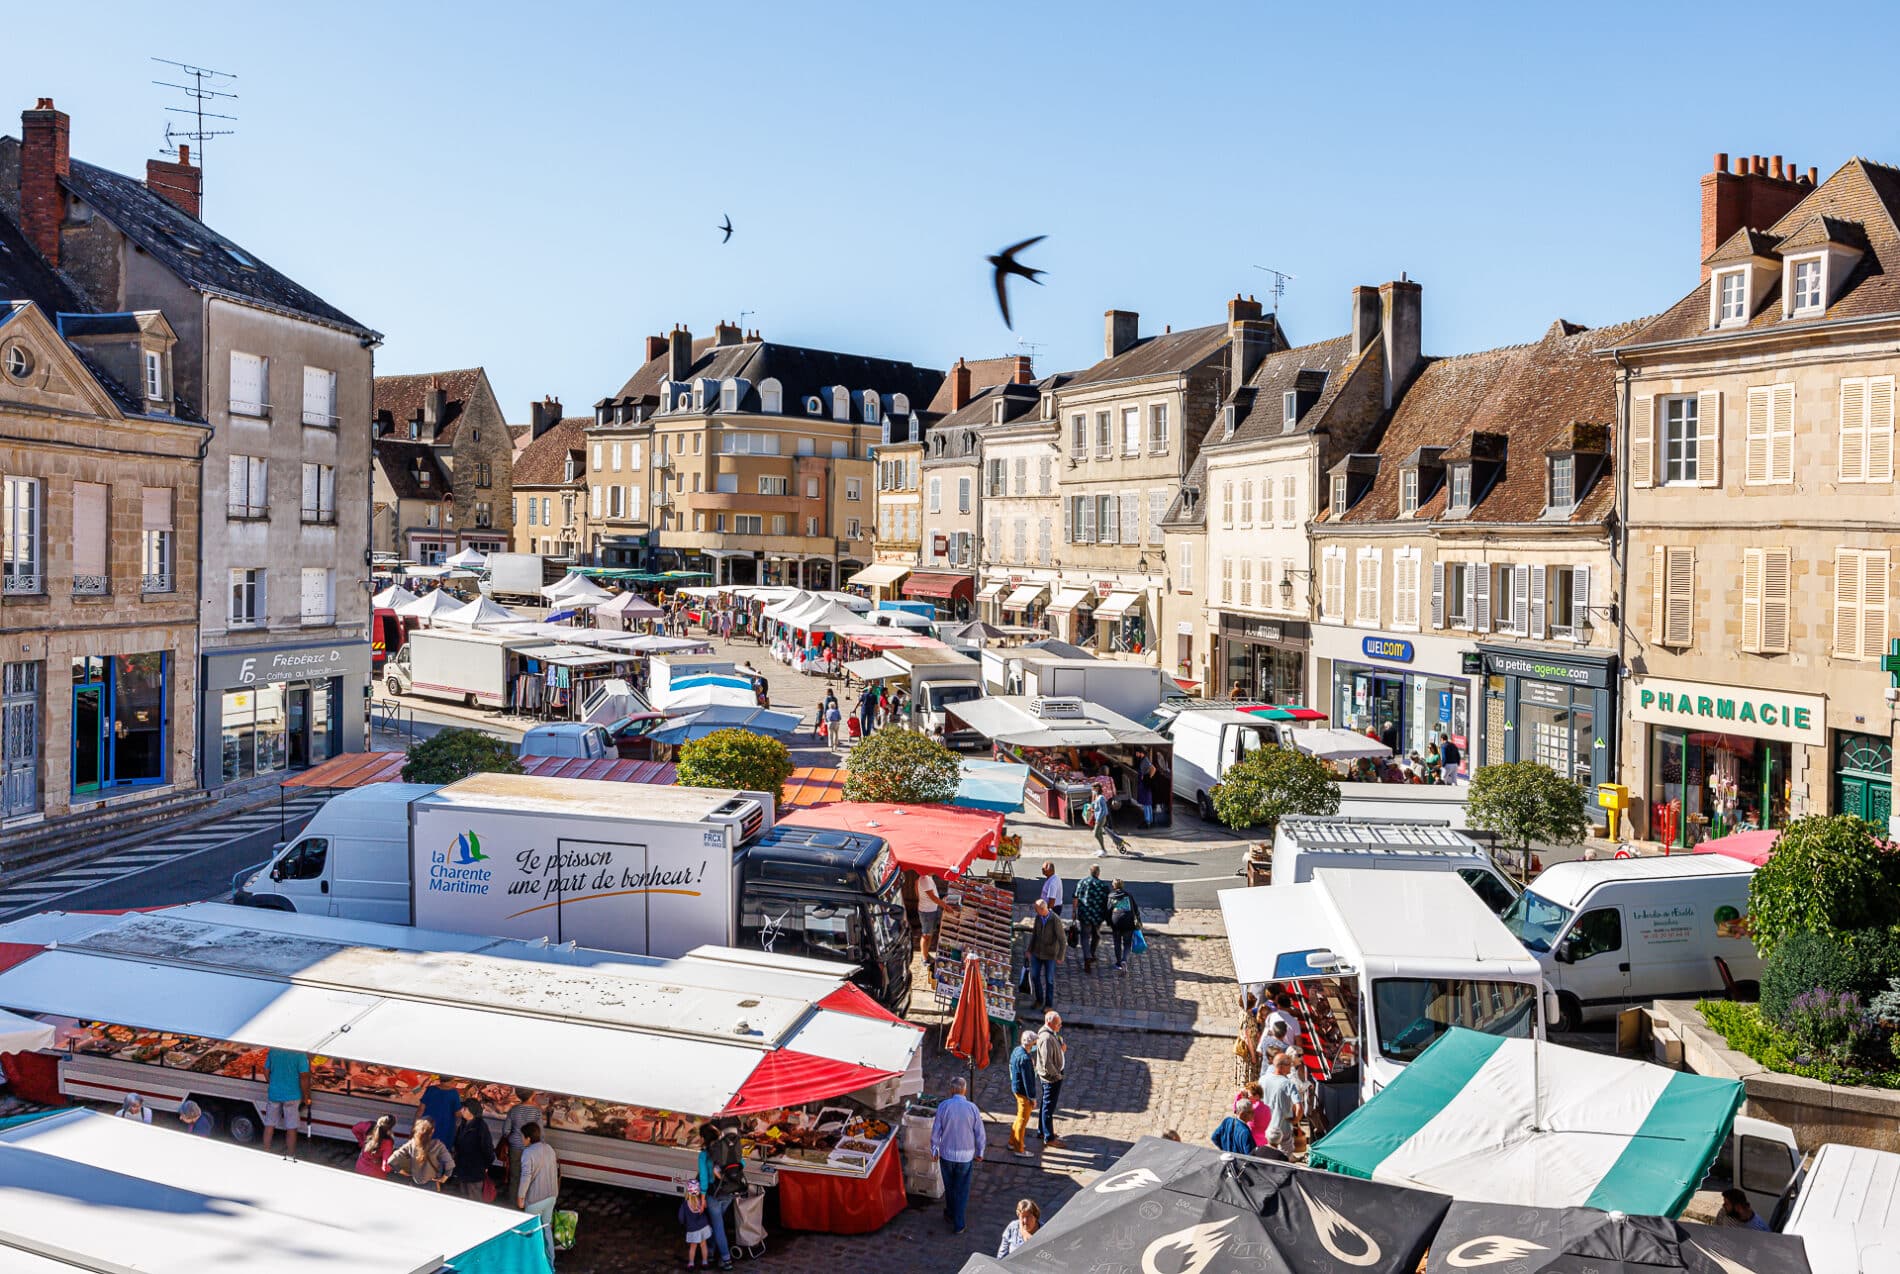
{"x": 1026, "y": 596}
{"x": 1117, "y": 605}
{"x": 1067, "y": 600}
{"x": 993, "y": 590}
{"x": 937, "y": 585}
{"x": 876, "y": 668}
{"x": 879, "y": 575}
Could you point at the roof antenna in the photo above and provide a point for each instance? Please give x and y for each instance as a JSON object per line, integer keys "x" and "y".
{"x": 206, "y": 85}
{"x": 1280, "y": 280}
{"x": 1034, "y": 348}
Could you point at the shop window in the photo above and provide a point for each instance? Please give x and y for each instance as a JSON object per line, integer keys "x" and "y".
{"x": 1597, "y": 932}
{"x": 119, "y": 721}
{"x": 1703, "y": 784}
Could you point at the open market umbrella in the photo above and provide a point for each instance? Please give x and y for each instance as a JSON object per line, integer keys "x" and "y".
{"x": 1564, "y": 1240}
{"x": 1170, "y": 1206}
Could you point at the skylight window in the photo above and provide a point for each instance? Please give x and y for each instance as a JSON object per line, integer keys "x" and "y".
{"x": 239, "y": 257}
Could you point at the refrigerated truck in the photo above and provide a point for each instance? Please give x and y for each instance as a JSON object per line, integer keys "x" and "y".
{"x": 517, "y": 577}
{"x": 472, "y": 668}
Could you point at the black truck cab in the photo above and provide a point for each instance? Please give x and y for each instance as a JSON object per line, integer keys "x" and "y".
{"x": 829, "y": 895}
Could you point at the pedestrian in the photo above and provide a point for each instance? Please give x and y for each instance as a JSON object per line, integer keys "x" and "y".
{"x": 1233, "y": 1134}
{"x": 867, "y": 707}
{"x": 1016, "y": 1233}
{"x": 474, "y": 1149}
{"x": 375, "y": 1143}
{"x": 1247, "y": 1048}
{"x": 1282, "y": 1012}
{"x": 722, "y": 1178}
{"x": 1434, "y": 762}
{"x": 1145, "y": 788}
{"x": 1052, "y": 888}
{"x": 540, "y": 1182}
{"x": 1091, "y": 913}
{"x": 423, "y": 1159}
{"x": 699, "y": 1227}
{"x": 132, "y": 1106}
{"x": 526, "y": 1110}
{"x": 1052, "y": 1059}
{"x": 193, "y": 1117}
{"x": 1124, "y": 922}
{"x": 1448, "y": 758}
{"x": 1737, "y": 1210}
{"x": 1260, "y": 1122}
{"x": 1047, "y": 942}
{"x": 441, "y": 1105}
{"x": 286, "y": 1095}
{"x": 929, "y": 912}
{"x": 1102, "y": 816}
{"x": 834, "y": 727}
{"x": 956, "y": 1139}
{"x": 1282, "y": 1094}
{"x": 1022, "y": 1085}
{"x": 1272, "y": 1044}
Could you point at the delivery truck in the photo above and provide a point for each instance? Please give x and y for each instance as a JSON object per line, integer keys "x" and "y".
{"x": 634, "y": 868}
{"x": 517, "y": 578}
{"x": 938, "y": 678}
{"x": 477, "y": 669}
{"x": 1132, "y": 690}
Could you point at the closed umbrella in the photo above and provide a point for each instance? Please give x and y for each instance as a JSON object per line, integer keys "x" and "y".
{"x": 1561, "y": 1240}
{"x": 969, "y": 1036}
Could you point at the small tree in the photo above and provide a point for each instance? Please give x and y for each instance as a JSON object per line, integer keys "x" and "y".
{"x": 1272, "y": 783}
{"x": 456, "y": 753}
{"x": 1829, "y": 874}
{"x": 1526, "y": 803}
{"x": 736, "y": 759}
{"x": 902, "y": 768}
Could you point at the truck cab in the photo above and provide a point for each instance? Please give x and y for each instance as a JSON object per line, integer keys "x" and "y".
{"x": 351, "y": 859}
{"x": 933, "y": 700}
{"x": 827, "y": 895}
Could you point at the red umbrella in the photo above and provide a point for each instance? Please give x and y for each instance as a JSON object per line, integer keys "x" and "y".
{"x": 970, "y": 1029}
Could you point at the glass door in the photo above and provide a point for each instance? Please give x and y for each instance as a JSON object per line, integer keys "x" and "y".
{"x": 297, "y": 725}
{"x": 89, "y": 721}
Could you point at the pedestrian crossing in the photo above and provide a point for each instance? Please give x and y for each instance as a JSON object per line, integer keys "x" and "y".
{"x": 43, "y": 892}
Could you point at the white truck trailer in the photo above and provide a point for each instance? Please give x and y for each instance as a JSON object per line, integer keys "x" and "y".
{"x": 472, "y": 668}
{"x": 517, "y": 577}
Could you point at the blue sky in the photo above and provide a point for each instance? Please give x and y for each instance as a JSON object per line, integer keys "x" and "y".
{"x": 538, "y": 196}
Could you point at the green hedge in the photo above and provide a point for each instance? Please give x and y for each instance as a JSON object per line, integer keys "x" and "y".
{"x": 1745, "y": 1030}
{"x": 1861, "y": 961}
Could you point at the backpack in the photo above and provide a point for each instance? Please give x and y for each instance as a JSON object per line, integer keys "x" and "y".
{"x": 1121, "y": 914}
{"x": 728, "y": 1162}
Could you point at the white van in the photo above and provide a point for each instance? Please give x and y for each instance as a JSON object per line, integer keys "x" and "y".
{"x": 1845, "y": 1205}
{"x": 1206, "y": 745}
{"x": 1620, "y": 931}
{"x": 568, "y": 738}
{"x": 1302, "y": 845}
{"x": 352, "y": 859}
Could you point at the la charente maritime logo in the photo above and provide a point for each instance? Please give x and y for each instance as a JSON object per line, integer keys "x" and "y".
{"x": 468, "y": 850}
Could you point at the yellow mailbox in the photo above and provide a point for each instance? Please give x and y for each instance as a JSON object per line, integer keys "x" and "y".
{"x": 1614, "y": 797}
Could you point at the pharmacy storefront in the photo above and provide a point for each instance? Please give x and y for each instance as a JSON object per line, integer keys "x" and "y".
{"x": 272, "y": 709}
{"x": 1719, "y": 759}
{"x": 1402, "y": 687}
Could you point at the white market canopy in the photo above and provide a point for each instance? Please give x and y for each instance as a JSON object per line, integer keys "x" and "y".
{"x": 432, "y": 605}
{"x": 392, "y": 597}
{"x": 466, "y": 558}
{"x": 879, "y": 575}
{"x": 789, "y": 605}
{"x": 627, "y": 606}
{"x": 1336, "y": 744}
{"x": 850, "y": 601}
{"x": 876, "y": 668}
{"x": 648, "y": 643}
{"x": 22, "y": 1034}
{"x": 575, "y": 589}
{"x": 479, "y": 613}
{"x": 1012, "y": 719}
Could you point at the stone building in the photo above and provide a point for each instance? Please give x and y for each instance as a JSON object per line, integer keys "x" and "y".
{"x": 1019, "y": 554}
{"x": 444, "y": 473}
{"x": 550, "y": 483}
{"x": 1762, "y": 536}
{"x": 274, "y": 369}
{"x": 974, "y": 396}
{"x": 99, "y": 480}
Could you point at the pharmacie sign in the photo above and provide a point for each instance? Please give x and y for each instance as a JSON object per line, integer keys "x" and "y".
{"x": 1743, "y": 710}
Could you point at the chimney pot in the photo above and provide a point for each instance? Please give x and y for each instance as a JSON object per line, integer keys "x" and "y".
{"x": 1401, "y": 320}
{"x": 1121, "y": 329}
{"x": 1775, "y": 167}
{"x": 1721, "y": 161}
{"x": 45, "y": 158}
{"x": 1239, "y": 311}
{"x": 679, "y": 346}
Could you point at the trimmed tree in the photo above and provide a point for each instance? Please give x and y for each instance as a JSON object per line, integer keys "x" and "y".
{"x": 1830, "y": 874}
{"x": 1272, "y": 783}
{"x": 736, "y": 759}
{"x": 456, "y": 753}
{"x": 1526, "y": 803}
{"x": 897, "y": 766}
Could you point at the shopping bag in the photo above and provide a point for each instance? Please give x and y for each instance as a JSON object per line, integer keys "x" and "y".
{"x": 1074, "y": 932}
{"x": 566, "y": 1224}
{"x": 1140, "y": 945}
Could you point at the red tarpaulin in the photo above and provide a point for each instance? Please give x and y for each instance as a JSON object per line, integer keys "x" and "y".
{"x": 786, "y": 1078}
{"x": 850, "y": 999}
{"x": 830, "y": 1204}
{"x": 930, "y": 584}
{"x": 360, "y": 769}
{"x": 936, "y": 840}
{"x": 1751, "y": 847}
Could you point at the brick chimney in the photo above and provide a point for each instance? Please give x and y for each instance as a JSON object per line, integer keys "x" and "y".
{"x": 1024, "y": 373}
{"x": 725, "y": 333}
{"x": 1120, "y": 330}
{"x": 656, "y": 348}
{"x": 1365, "y": 318}
{"x": 1401, "y": 319}
{"x": 1248, "y": 341}
{"x": 1755, "y": 195}
{"x": 959, "y": 386}
{"x": 179, "y": 183}
{"x": 435, "y": 405}
{"x": 543, "y": 416}
{"x": 679, "y": 351}
{"x": 45, "y": 157}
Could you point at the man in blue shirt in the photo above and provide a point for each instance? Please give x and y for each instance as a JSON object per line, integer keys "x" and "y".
{"x": 956, "y": 1139}
{"x": 1022, "y": 1082}
{"x": 1233, "y": 1135}
{"x": 440, "y": 1105}
{"x": 286, "y": 1094}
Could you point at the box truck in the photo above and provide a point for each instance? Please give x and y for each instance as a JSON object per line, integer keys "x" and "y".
{"x": 471, "y": 668}
{"x": 1133, "y": 690}
{"x": 939, "y": 678}
{"x": 517, "y": 577}
{"x": 634, "y": 868}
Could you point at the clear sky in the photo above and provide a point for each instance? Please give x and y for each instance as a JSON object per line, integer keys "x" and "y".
{"x": 534, "y": 188}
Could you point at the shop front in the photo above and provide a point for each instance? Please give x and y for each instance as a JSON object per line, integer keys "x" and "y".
{"x": 1263, "y": 658}
{"x": 272, "y": 709}
{"x": 1072, "y": 615}
{"x": 1558, "y": 709}
{"x": 1403, "y": 689}
{"x": 950, "y": 592}
{"x": 1121, "y": 621}
{"x": 1024, "y": 605}
{"x": 1719, "y": 759}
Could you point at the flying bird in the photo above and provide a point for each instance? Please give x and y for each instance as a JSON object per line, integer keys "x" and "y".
{"x": 727, "y": 228}
{"x": 1004, "y": 263}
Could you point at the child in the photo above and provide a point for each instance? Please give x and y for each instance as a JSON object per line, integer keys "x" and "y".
{"x": 698, "y": 1223}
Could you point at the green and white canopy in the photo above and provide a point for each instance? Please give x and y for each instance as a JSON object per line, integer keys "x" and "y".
{"x": 1516, "y": 1121}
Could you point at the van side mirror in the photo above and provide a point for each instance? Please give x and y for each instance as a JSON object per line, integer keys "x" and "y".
{"x": 1564, "y": 952}
{"x": 277, "y": 870}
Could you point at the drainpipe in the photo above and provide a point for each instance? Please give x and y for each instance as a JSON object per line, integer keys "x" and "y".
{"x": 1620, "y": 547}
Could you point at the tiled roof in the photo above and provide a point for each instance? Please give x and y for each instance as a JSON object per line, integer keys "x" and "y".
{"x": 1821, "y": 230}
{"x": 543, "y": 462}
{"x": 25, "y": 276}
{"x": 1169, "y": 353}
{"x": 199, "y": 255}
{"x": 1261, "y": 413}
{"x": 1859, "y": 191}
{"x": 1020, "y": 400}
{"x": 1531, "y": 394}
{"x": 397, "y": 399}
{"x": 1188, "y": 510}
{"x": 801, "y": 372}
{"x": 399, "y": 459}
{"x": 1743, "y": 244}
{"x": 984, "y": 372}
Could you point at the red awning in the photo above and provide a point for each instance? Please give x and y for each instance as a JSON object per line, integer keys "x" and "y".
{"x": 786, "y": 1078}
{"x": 812, "y": 785}
{"x": 850, "y": 999}
{"x": 927, "y": 584}
{"x": 360, "y": 769}
{"x": 935, "y": 840}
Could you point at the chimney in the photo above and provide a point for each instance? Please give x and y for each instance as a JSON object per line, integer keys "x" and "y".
{"x": 1400, "y": 321}
{"x": 45, "y": 157}
{"x": 727, "y": 333}
{"x": 656, "y": 348}
{"x": 1248, "y": 341}
{"x": 959, "y": 386}
{"x": 435, "y": 404}
{"x": 543, "y": 416}
{"x": 179, "y": 184}
{"x": 1121, "y": 329}
{"x": 679, "y": 349}
{"x": 1024, "y": 373}
{"x": 1365, "y": 318}
{"x": 1755, "y": 194}
{"x": 1240, "y": 310}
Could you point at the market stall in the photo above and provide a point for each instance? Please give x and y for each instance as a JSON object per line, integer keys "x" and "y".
{"x": 556, "y": 679}
{"x": 982, "y": 785}
{"x": 1072, "y": 749}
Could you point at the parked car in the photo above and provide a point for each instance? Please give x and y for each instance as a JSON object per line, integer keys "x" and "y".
{"x": 568, "y": 738}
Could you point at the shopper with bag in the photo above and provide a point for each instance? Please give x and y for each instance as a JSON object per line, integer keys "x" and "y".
{"x": 540, "y": 1186}
{"x": 722, "y": 1178}
{"x": 1124, "y": 925}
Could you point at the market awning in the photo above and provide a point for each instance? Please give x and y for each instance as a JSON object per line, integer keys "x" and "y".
{"x": 878, "y": 575}
{"x": 1117, "y": 605}
{"x": 935, "y": 840}
{"x": 1338, "y": 745}
{"x": 1067, "y": 600}
{"x": 991, "y": 785}
{"x": 938, "y": 585}
{"x": 571, "y": 656}
{"x": 876, "y": 668}
{"x": 993, "y": 590}
{"x": 360, "y": 769}
{"x": 1523, "y": 1240}
{"x": 1271, "y": 930}
{"x": 1026, "y": 596}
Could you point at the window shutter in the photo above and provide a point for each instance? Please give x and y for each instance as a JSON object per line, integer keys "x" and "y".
{"x": 1853, "y": 429}
{"x": 1480, "y": 577}
{"x": 89, "y": 528}
{"x": 1068, "y": 524}
{"x": 1880, "y": 429}
{"x": 156, "y": 508}
{"x": 1157, "y": 511}
{"x": 1438, "y": 594}
{"x": 247, "y": 380}
{"x": 1472, "y": 571}
{"x": 1755, "y": 458}
{"x": 1520, "y": 599}
{"x": 1781, "y": 435}
{"x": 1088, "y": 520}
{"x": 1110, "y": 531}
{"x": 1658, "y": 598}
{"x": 1579, "y": 604}
{"x": 1680, "y": 627}
{"x": 1642, "y": 440}
{"x": 310, "y": 489}
{"x": 1708, "y": 439}
{"x": 1537, "y": 603}
{"x": 237, "y": 473}
{"x": 1776, "y": 585}
{"x": 1846, "y": 602}
{"x": 1131, "y": 518}
{"x": 1751, "y": 600}
{"x": 1873, "y": 605}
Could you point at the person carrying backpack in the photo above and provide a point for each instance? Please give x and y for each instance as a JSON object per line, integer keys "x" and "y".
{"x": 722, "y": 1178}
{"x": 1124, "y": 922}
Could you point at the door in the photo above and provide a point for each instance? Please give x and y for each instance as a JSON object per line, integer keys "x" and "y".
{"x": 1863, "y": 777}
{"x": 1596, "y": 964}
{"x": 297, "y": 725}
{"x": 89, "y": 744}
{"x": 608, "y": 899}
{"x": 1388, "y": 711}
{"x": 302, "y": 875}
{"x": 19, "y": 739}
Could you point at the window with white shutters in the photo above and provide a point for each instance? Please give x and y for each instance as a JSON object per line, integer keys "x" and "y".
{"x": 1520, "y": 599}
{"x": 1539, "y": 602}
{"x": 935, "y": 495}
{"x": 249, "y": 478}
{"x": 1860, "y": 603}
{"x": 319, "y": 397}
{"x": 1642, "y": 422}
{"x": 1478, "y": 591}
{"x": 1185, "y": 573}
{"x": 1405, "y": 576}
{"x": 1086, "y": 534}
{"x": 1765, "y": 600}
{"x": 1768, "y": 454}
{"x": 1246, "y": 581}
{"x": 1866, "y": 442}
{"x": 964, "y": 492}
{"x": 1131, "y": 517}
{"x": 1288, "y": 514}
{"x": 1022, "y": 539}
{"x": 1045, "y": 475}
{"x": 1226, "y": 504}
{"x": 1131, "y": 431}
{"x": 1672, "y": 595}
{"x": 91, "y": 535}
{"x": 1332, "y": 593}
{"x": 1044, "y": 526}
{"x": 1579, "y": 617}
{"x": 593, "y": 502}
{"x": 1438, "y": 594}
{"x": 319, "y": 493}
{"x": 249, "y": 377}
{"x": 1157, "y": 510}
{"x": 319, "y": 600}
{"x": 1227, "y": 580}
{"x": 1022, "y": 475}
{"x": 1246, "y": 503}
{"x": 1366, "y": 605}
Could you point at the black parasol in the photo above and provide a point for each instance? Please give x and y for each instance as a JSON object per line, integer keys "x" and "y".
{"x": 1501, "y": 1239}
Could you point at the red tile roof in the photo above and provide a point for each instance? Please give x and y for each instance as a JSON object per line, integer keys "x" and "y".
{"x": 398, "y": 398}
{"x": 543, "y": 462}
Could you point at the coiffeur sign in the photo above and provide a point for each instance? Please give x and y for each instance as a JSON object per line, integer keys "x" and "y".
{"x": 1743, "y": 710}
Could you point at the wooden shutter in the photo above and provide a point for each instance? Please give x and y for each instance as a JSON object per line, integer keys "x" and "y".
{"x": 156, "y": 508}
{"x": 1755, "y": 459}
{"x": 1405, "y": 589}
{"x": 1131, "y": 518}
{"x": 1776, "y": 587}
{"x": 1068, "y": 521}
{"x": 1480, "y": 576}
{"x": 1520, "y": 598}
{"x": 89, "y": 528}
{"x": 247, "y": 381}
{"x": 237, "y": 473}
{"x": 1658, "y": 598}
{"x": 1781, "y": 435}
{"x": 1880, "y": 429}
{"x": 1088, "y": 520}
{"x": 1579, "y": 604}
{"x": 1642, "y": 440}
{"x": 1438, "y": 594}
{"x": 1227, "y": 579}
{"x": 1708, "y": 438}
{"x": 1847, "y": 628}
{"x": 1537, "y": 603}
{"x": 312, "y": 502}
{"x": 1679, "y": 623}
{"x": 1751, "y": 600}
{"x": 1873, "y": 605}
{"x": 1853, "y": 429}
{"x": 1472, "y": 571}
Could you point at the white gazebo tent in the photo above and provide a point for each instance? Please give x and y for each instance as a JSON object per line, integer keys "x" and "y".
{"x": 467, "y": 557}
{"x": 431, "y": 606}
{"x": 391, "y": 598}
{"x": 575, "y": 589}
{"x": 480, "y": 613}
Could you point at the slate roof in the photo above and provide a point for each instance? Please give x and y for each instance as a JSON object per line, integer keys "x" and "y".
{"x": 1859, "y": 191}
{"x": 1168, "y": 354}
{"x": 398, "y": 457}
{"x": 1261, "y": 413}
{"x": 542, "y": 462}
{"x": 1532, "y": 394}
{"x": 1021, "y": 400}
{"x": 984, "y": 372}
{"x": 203, "y": 258}
{"x": 1181, "y": 511}
{"x": 397, "y": 399}
{"x": 801, "y": 372}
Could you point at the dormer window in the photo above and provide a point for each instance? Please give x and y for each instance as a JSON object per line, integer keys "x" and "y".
{"x": 1458, "y": 492}
{"x": 771, "y": 397}
{"x": 1289, "y": 408}
{"x": 567, "y": 470}
{"x": 1339, "y": 495}
{"x": 840, "y": 403}
{"x": 154, "y": 376}
{"x": 1808, "y": 289}
{"x": 1408, "y": 492}
{"x": 1230, "y": 419}
{"x": 1731, "y": 296}
{"x": 1563, "y": 482}
{"x": 729, "y": 396}
{"x": 900, "y": 404}
{"x": 870, "y": 406}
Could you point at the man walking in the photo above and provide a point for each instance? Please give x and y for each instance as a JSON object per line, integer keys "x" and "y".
{"x": 1091, "y": 911}
{"x": 956, "y": 1139}
{"x": 540, "y": 1182}
{"x": 1145, "y": 788}
{"x": 867, "y": 709}
{"x": 1052, "y": 1058}
{"x": 1046, "y": 945}
{"x": 1052, "y": 888}
{"x": 1281, "y": 1092}
{"x": 1022, "y": 1083}
{"x": 286, "y": 1095}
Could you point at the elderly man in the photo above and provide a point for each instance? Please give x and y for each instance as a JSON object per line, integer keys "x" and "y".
{"x": 1046, "y": 945}
{"x": 956, "y": 1139}
{"x": 1022, "y": 1082}
{"x": 1052, "y": 1059}
{"x": 1234, "y": 1135}
{"x": 1282, "y": 1095}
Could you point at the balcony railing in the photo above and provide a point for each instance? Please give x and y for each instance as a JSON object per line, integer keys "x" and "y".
{"x": 247, "y": 512}
{"x": 89, "y": 585}
{"x": 241, "y": 408}
{"x": 19, "y": 584}
{"x": 316, "y": 419}
{"x": 163, "y": 582}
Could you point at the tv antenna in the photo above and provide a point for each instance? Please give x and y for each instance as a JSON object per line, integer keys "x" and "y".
{"x": 742, "y": 318}
{"x": 1280, "y": 280}
{"x": 206, "y": 86}
{"x": 1033, "y": 347}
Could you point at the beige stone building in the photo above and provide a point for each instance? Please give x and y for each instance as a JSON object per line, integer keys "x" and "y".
{"x": 1762, "y": 533}
{"x": 975, "y": 396}
{"x": 443, "y": 480}
{"x": 1019, "y": 551}
{"x": 550, "y": 483}
{"x": 99, "y": 484}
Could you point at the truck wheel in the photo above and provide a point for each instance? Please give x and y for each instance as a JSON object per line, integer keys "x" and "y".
{"x": 1204, "y": 806}
{"x": 393, "y": 686}
{"x": 241, "y": 1121}
{"x": 1569, "y": 1012}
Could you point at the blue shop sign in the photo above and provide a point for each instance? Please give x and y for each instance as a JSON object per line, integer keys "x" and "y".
{"x": 1392, "y": 648}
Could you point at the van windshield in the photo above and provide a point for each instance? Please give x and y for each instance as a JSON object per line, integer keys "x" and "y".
{"x": 940, "y": 697}
{"x": 1412, "y": 1012}
{"x": 1535, "y": 921}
